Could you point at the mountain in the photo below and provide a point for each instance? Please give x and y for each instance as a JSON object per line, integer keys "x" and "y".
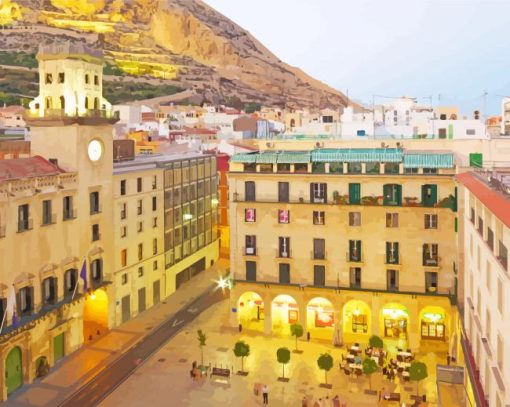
{"x": 184, "y": 44}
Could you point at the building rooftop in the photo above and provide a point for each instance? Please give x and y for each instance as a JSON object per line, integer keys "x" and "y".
{"x": 70, "y": 50}
{"x": 143, "y": 162}
{"x": 492, "y": 188}
{"x": 19, "y": 168}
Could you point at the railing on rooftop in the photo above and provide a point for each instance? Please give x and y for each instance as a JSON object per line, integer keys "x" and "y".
{"x": 54, "y": 114}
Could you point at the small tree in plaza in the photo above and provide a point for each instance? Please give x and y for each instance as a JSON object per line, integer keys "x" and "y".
{"x": 375, "y": 342}
{"x": 242, "y": 350}
{"x": 369, "y": 367}
{"x": 418, "y": 372}
{"x": 202, "y": 338}
{"x": 325, "y": 362}
{"x": 283, "y": 357}
{"x": 297, "y": 331}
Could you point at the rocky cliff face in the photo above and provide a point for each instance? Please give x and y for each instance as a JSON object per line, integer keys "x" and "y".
{"x": 179, "y": 41}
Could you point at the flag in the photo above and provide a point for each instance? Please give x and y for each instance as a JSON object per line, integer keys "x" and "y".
{"x": 11, "y": 306}
{"x": 83, "y": 275}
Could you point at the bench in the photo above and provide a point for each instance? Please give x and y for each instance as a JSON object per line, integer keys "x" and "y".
{"x": 394, "y": 397}
{"x": 219, "y": 372}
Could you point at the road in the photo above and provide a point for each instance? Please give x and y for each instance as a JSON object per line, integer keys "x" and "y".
{"x": 92, "y": 393}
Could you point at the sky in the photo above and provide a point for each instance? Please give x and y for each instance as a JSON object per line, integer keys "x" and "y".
{"x": 454, "y": 51}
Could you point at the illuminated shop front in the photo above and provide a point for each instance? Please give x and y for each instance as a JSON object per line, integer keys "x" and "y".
{"x": 356, "y": 316}
{"x": 284, "y": 313}
{"x": 395, "y": 320}
{"x": 433, "y": 323}
{"x": 320, "y": 318}
{"x": 251, "y": 311}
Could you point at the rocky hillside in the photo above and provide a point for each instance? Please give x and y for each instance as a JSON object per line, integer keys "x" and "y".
{"x": 181, "y": 43}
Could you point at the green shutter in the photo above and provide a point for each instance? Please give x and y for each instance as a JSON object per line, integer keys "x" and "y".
{"x": 354, "y": 194}
{"x": 434, "y": 194}
{"x": 456, "y": 225}
{"x": 399, "y": 195}
{"x": 476, "y": 160}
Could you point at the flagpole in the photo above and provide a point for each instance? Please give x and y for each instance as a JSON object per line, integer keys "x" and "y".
{"x": 77, "y": 280}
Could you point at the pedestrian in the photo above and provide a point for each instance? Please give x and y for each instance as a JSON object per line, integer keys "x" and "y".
{"x": 336, "y": 401}
{"x": 448, "y": 359}
{"x": 304, "y": 402}
{"x": 265, "y": 394}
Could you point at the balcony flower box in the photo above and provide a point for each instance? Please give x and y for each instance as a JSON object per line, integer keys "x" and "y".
{"x": 411, "y": 201}
{"x": 371, "y": 200}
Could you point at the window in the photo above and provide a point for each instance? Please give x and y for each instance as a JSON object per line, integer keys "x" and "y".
{"x": 95, "y": 232}
{"x": 480, "y": 226}
{"x": 139, "y": 207}
{"x": 360, "y": 133}
{"x": 503, "y": 255}
{"x": 48, "y": 79}
{"x": 392, "y": 194}
{"x": 318, "y": 193}
{"x": 154, "y": 182}
{"x": 249, "y": 191}
{"x": 500, "y": 297}
{"x": 318, "y": 168}
{"x": 392, "y": 253}
{"x": 411, "y": 170}
{"x": 124, "y": 279}
{"x": 47, "y": 216}
{"x": 251, "y": 271}
{"x": 123, "y": 211}
{"x": 49, "y": 290}
{"x": 354, "y": 168}
{"x": 319, "y": 218}
{"x": 336, "y": 168}
{"x": 123, "y": 187}
{"x": 139, "y": 228}
{"x": 123, "y": 258}
{"x": 283, "y": 216}
{"x": 430, "y": 256}
{"x": 140, "y": 251}
{"x": 392, "y": 280}
{"x": 355, "y": 250}
{"x": 319, "y": 276}
{"x": 391, "y": 168}
{"x": 70, "y": 280}
{"x": 154, "y": 203}
{"x": 472, "y": 215}
{"x": 87, "y": 79}
{"x": 392, "y": 220}
{"x": 354, "y": 194}
{"x": 284, "y": 247}
{"x": 155, "y": 246}
{"x": 96, "y": 80}
{"x": 94, "y": 202}
{"x": 430, "y": 170}
{"x": 155, "y": 222}
{"x": 283, "y": 192}
{"x": 470, "y": 132}
{"x": 68, "y": 208}
{"x": 431, "y": 281}
{"x": 139, "y": 184}
{"x": 490, "y": 238}
{"x": 319, "y": 249}
{"x": 251, "y": 245}
{"x": 250, "y": 215}
{"x": 430, "y": 221}
{"x": 284, "y": 273}
{"x": 97, "y": 270}
{"x": 355, "y": 277}
{"x": 61, "y": 77}
{"x": 26, "y": 300}
{"x": 354, "y": 218}
{"x": 140, "y": 271}
{"x": 23, "y": 221}
{"x": 155, "y": 265}
{"x": 372, "y": 168}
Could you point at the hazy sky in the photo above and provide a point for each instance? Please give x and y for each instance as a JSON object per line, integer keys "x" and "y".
{"x": 451, "y": 50}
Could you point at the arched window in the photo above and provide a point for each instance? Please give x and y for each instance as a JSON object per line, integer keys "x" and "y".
{"x": 86, "y": 102}
{"x": 86, "y": 78}
{"x": 292, "y": 123}
{"x": 62, "y": 102}
{"x": 70, "y": 280}
{"x": 97, "y": 270}
{"x": 96, "y": 103}
{"x": 47, "y": 102}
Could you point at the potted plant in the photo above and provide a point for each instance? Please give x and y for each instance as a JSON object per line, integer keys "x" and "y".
{"x": 297, "y": 331}
{"x": 325, "y": 362}
{"x": 202, "y": 338}
{"x": 283, "y": 357}
{"x": 375, "y": 342}
{"x": 369, "y": 367}
{"x": 242, "y": 350}
{"x": 418, "y": 372}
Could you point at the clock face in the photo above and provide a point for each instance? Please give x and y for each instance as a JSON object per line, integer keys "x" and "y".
{"x": 95, "y": 150}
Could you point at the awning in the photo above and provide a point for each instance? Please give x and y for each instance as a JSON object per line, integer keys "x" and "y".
{"x": 244, "y": 158}
{"x": 294, "y": 157}
{"x": 428, "y": 160}
{"x": 267, "y": 158}
{"x": 357, "y": 155}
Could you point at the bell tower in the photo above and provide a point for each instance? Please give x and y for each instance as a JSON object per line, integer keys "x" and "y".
{"x": 72, "y": 124}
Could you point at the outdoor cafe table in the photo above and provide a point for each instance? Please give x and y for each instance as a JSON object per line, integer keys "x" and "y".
{"x": 403, "y": 365}
{"x": 355, "y": 366}
{"x": 405, "y": 354}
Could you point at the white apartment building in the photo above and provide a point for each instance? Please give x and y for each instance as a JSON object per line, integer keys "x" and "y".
{"x": 505, "y": 116}
{"x": 485, "y": 231}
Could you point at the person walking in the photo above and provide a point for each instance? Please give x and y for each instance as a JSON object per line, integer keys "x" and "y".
{"x": 304, "y": 402}
{"x": 336, "y": 401}
{"x": 265, "y": 394}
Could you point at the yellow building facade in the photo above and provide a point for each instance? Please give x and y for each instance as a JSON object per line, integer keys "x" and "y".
{"x": 347, "y": 242}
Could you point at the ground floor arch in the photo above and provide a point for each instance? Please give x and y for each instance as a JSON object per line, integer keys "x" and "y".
{"x": 13, "y": 370}
{"x": 320, "y": 318}
{"x": 433, "y": 323}
{"x": 95, "y": 315}
{"x": 394, "y": 321}
{"x": 250, "y": 308}
{"x": 284, "y": 313}
{"x": 356, "y": 321}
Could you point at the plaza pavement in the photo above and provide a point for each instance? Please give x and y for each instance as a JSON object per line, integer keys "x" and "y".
{"x": 164, "y": 380}
{"x": 83, "y": 365}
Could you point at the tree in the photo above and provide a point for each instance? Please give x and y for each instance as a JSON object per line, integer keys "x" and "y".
{"x": 252, "y": 107}
{"x": 325, "y": 362}
{"x": 369, "y": 367}
{"x": 375, "y": 342}
{"x": 417, "y": 372}
{"x": 242, "y": 350}
{"x": 202, "y": 338}
{"x": 297, "y": 331}
{"x": 283, "y": 357}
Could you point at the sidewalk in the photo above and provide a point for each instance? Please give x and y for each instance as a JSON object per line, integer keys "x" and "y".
{"x": 83, "y": 365}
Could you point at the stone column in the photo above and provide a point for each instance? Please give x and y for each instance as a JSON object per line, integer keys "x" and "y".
{"x": 338, "y": 330}
{"x": 268, "y": 321}
{"x": 413, "y": 329}
{"x": 381, "y": 168}
{"x": 302, "y": 316}
{"x": 375, "y": 311}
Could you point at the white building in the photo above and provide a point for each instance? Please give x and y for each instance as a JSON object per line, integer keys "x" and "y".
{"x": 505, "y": 116}
{"x": 485, "y": 231}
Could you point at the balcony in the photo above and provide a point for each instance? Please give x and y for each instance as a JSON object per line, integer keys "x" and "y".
{"x": 393, "y": 259}
{"x": 431, "y": 261}
{"x": 353, "y": 257}
{"x": 283, "y": 254}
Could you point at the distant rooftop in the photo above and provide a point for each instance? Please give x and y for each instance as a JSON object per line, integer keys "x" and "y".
{"x": 19, "y": 168}
{"x": 151, "y": 161}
